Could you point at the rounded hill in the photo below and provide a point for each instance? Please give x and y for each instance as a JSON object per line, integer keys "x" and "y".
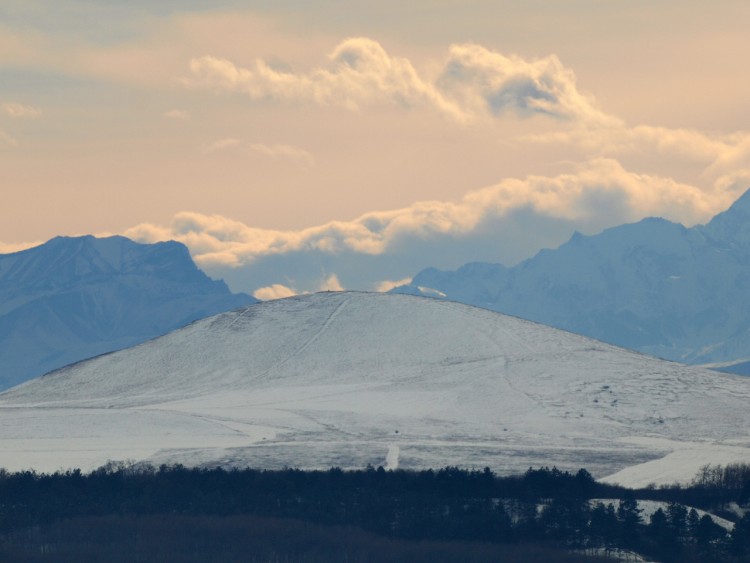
{"x": 349, "y": 379}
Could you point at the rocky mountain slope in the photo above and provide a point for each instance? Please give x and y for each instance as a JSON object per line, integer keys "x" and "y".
{"x": 74, "y": 298}
{"x": 654, "y": 286}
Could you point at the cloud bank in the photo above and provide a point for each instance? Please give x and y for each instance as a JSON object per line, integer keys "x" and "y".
{"x": 473, "y": 84}
{"x": 472, "y": 90}
{"x": 504, "y": 222}
{"x": 359, "y": 72}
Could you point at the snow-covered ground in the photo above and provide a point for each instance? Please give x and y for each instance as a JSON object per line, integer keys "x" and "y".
{"x": 349, "y": 379}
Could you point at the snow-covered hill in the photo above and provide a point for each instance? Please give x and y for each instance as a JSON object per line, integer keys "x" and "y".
{"x": 355, "y": 378}
{"x": 76, "y": 297}
{"x": 654, "y": 286}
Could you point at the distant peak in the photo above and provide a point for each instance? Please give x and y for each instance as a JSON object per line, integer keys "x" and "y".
{"x": 87, "y": 239}
{"x": 107, "y": 242}
{"x": 739, "y": 209}
{"x": 733, "y": 225}
{"x": 62, "y": 239}
{"x": 741, "y": 205}
{"x": 69, "y": 259}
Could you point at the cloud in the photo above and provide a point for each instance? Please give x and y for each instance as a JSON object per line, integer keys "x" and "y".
{"x": 359, "y": 72}
{"x": 275, "y": 291}
{"x": 284, "y": 151}
{"x": 481, "y": 82}
{"x": 387, "y": 285}
{"x": 331, "y": 283}
{"x": 472, "y": 84}
{"x": 177, "y": 114}
{"x": 714, "y": 153}
{"x": 575, "y": 196}
{"x": 8, "y": 248}
{"x": 18, "y": 111}
{"x": 222, "y": 145}
{"x": 598, "y": 194}
{"x": 280, "y": 291}
{"x": 7, "y": 141}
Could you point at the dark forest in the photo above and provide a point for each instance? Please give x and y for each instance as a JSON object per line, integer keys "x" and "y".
{"x": 123, "y": 512}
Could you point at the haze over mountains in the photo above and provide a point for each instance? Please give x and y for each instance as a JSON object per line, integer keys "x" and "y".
{"x": 654, "y": 286}
{"x": 348, "y": 379}
{"x": 74, "y": 298}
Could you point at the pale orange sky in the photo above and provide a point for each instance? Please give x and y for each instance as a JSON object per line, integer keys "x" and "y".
{"x": 291, "y": 142}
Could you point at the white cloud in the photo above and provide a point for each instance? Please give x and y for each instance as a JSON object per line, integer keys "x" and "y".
{"x": 177, "y": 114}
{"x": 573, "y": 196}
{"x": 473, "y": 84}
{"x": 331, "y": 283}
{"x": 714, "y": 153}
{"x": 16, "y": 110}
{"x": 481, "y": 82}
{"x": 280, "y": 291}
{"x": 275, "y": 291}
{"x": 387, "y": 285}
{"x": 359, "y": 72}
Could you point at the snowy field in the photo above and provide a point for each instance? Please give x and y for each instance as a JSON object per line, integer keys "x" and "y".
{"x": 351, "y": 379}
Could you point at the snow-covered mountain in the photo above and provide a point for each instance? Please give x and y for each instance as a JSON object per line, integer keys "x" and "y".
{"x": 655, "y": 286}
{"x": 349, "y": 379}
{"x": 74, "y": 298}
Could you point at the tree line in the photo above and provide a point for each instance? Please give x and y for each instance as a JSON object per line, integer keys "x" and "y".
{"x": 546, "y": 508}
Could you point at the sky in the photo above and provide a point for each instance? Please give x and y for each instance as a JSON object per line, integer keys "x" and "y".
{"x": 328, "y": 144}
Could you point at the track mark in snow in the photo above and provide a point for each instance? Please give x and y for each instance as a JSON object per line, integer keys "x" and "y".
{"x": 391, "y": 458}
{"x": 203, "y": 418}
{"x": 332, "y": 428}
{"x": 312, "y": 339}
{"x": 322, "y": 329}
{"x": 238, "y": 316}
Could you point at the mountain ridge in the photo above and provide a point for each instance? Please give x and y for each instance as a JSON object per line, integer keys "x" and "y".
{"x": 76, "y": 297}
{"x": 654, "y": 286}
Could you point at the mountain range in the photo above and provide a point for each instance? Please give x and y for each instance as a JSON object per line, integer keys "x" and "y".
{"x": 350, "y": 379}
{"x": 77, "y": 297}
{"x": 654, "y": 286}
